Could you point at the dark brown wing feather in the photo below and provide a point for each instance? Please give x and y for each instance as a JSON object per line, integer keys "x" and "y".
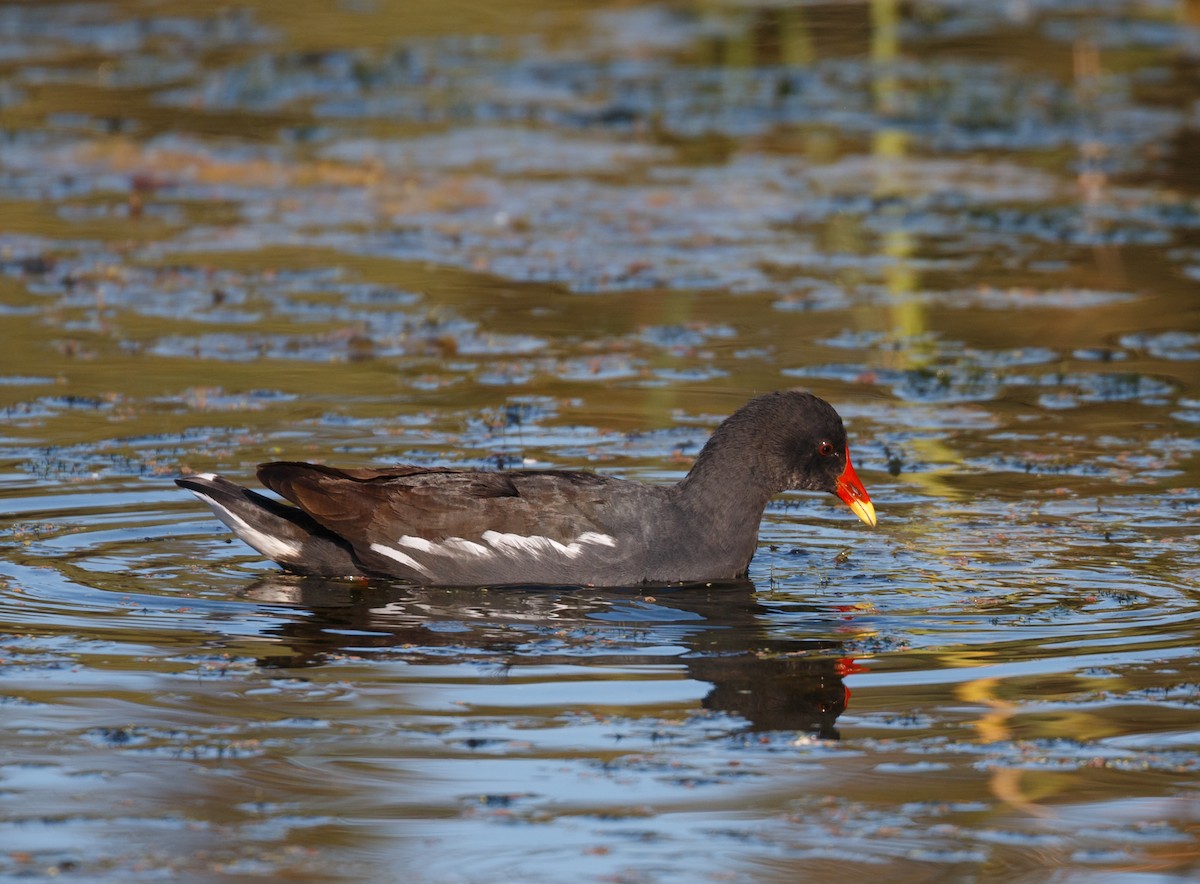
{"x": 367, "y": 506}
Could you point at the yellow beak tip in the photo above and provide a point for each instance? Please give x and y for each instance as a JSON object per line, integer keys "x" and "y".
{"x": 865, "y": 510}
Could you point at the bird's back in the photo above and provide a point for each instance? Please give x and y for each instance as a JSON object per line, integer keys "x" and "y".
{"x": 464, "y": 527}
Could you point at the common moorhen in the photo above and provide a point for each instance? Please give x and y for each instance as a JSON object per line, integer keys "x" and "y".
{"x": 455, "y": 527}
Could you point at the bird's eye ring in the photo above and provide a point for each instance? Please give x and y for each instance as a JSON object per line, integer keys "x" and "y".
{"x": 825, "y": 449}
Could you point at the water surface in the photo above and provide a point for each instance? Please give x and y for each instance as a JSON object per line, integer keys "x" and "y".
{"x": 577, "y": 235}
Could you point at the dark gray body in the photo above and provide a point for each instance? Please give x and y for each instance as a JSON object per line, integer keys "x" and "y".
{"x": 468, "y": 527}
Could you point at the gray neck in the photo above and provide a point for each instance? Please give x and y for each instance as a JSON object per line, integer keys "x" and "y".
{"x": 725, "y": 494}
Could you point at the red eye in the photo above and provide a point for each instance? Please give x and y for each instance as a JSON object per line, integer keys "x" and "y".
{"x": 825, "y": 449}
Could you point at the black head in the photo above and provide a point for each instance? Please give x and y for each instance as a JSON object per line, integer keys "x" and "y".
{"x": 786, "y": 441}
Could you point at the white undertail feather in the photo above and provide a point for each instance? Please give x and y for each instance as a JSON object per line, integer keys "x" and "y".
{"x": 274, "y": 548}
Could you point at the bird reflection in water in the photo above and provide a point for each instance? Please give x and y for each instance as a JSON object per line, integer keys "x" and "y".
{"x": 722, "y": 632}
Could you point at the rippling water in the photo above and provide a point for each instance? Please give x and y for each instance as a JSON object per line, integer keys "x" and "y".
{"x": 578, "y": 237}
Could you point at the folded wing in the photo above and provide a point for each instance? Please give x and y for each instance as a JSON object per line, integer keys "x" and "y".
{"x": 454, "y": 525}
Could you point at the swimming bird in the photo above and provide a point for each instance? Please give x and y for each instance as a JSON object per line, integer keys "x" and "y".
{"x": 463, "y": 527}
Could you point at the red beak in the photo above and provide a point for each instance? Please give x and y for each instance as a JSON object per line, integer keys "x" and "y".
{"x": 853, "y": 494}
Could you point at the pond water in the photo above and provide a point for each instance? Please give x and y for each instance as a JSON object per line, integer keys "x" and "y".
{"x": 577, "y": 234}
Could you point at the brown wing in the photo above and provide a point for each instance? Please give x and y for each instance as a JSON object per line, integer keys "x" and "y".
{"x": 367, "y": 506}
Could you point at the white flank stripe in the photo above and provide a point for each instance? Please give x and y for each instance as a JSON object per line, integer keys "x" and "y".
{"x": 513, "y": 543}
{"x": 420, "y": 544}
{"x": 274, "y": 548}
{"x": 452, "y": 545}
{"x": 596, "y": 537}
{"x": 536, "y": 545}
{"x": 571, "y": 551}
{"x": 402, "y": 558}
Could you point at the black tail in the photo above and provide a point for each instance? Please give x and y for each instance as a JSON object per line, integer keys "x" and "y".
{"x": 282, "y": 533}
